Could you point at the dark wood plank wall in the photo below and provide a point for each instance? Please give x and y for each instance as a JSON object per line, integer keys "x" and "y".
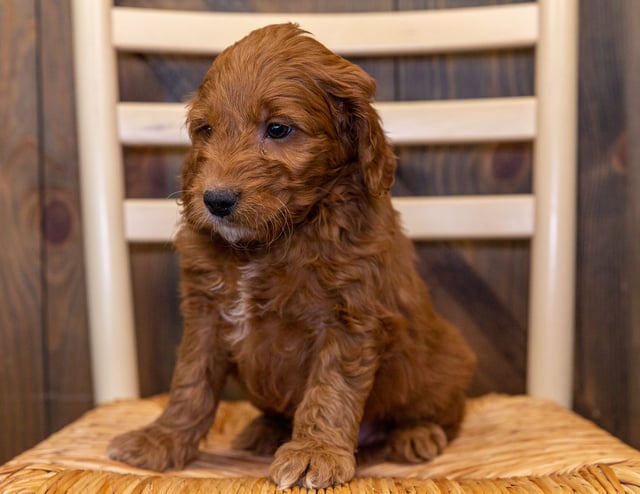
{"x": 632, "y": 256}
{"x": 23, "y": 383}
{"x": 65, "y": 322}
{"x": 481, "y": 286}
{"x": 607, "y": 364}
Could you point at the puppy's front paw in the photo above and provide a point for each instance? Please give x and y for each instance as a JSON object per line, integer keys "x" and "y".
{"x": 311, "y": 465}
{"x": 151, "y": 448}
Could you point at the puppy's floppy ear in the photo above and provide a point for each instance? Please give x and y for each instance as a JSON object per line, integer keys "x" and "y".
{"x": 359, "y": 124}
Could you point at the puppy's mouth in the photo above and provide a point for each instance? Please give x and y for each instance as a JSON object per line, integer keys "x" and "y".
{"x": 234, "y": 234}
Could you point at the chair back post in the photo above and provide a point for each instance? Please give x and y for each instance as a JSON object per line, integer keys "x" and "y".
{"x": 551, "y": 320}
{"x": 113, "y": 353}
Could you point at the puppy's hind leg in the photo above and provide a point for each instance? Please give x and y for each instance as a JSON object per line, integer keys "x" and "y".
{"x": 417, "y": 440}
{"x": 415, "y": 443}
{"x": 264, "y": 434}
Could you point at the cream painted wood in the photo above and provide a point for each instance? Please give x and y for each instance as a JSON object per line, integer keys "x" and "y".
{"x": 156, "y": 124}
{"x": 406, "y": 122}
{"x": 151, "y": 220}
{"x": 451, "y": 217}
{"x": 113, "y": 353}
{"x": 551, "y": 321}
{"x": 455, "y": 121}
{"x": 405, "y": 32}
{"x": 458, "y": 217}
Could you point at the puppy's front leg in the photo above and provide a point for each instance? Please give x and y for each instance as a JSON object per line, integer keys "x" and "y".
{"x": 326, "y": 423}
{"x": 172, "y": 440}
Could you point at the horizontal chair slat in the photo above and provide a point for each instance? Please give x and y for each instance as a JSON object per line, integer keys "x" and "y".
{"x": 468, "y": 217}
{"x": 160, "y": 124}
{"x": 477, "y": 120}
{"x": 350, "y": 34}
{"x": 406, "y": 123}
{"x": 432, "y": 218}
{"x": 151, "y": 220}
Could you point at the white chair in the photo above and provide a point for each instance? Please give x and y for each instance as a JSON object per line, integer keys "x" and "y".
{"x": 547, "y": 216}
{"x": 536, "y": 443}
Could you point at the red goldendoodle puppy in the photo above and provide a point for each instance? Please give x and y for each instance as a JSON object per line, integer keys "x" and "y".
{"x": 297, "y": 278}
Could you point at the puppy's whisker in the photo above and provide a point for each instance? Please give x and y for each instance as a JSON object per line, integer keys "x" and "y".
{"x": 288, "y": 223}
{"x": 176, "y": 194}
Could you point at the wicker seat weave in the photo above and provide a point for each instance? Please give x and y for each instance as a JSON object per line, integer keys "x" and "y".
{"x": 507, "y": 444}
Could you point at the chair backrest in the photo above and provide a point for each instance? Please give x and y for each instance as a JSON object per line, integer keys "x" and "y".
{"x": 546, "y": 216}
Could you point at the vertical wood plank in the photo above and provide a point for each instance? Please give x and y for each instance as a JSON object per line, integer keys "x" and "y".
{"x": 607, "y": 240}
{"x": 22, "y": 386}
{"x": 632, "y": 228}
{"x": 65, "y": 314}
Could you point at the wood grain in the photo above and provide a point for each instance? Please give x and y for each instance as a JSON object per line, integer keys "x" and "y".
{"x": 69, "y": 391}
{"x": 608, "y": 277}
{"x": 632, "y": 227}
{"x": 23, "y": 418}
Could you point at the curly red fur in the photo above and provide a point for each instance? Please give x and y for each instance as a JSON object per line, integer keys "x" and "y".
{"x": 299, "y": 281}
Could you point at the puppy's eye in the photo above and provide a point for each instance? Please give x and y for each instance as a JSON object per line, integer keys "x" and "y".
{"x": 204, "y": 131}
{"x": 278, "y": 130}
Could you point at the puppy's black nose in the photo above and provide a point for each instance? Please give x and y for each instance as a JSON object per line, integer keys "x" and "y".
{"x": 221, "y": 202}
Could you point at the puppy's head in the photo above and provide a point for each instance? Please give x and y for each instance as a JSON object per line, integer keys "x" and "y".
{"x": 276, "y": 122}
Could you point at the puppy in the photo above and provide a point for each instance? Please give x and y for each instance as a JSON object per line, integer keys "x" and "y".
{"x": 296, "y": 277}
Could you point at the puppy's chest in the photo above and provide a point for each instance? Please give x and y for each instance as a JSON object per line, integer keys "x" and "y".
{"x": 271, "y": 305}
{"x": 275, "y": 326}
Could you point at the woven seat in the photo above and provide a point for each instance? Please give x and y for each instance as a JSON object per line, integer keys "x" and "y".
{"x": 514, "y": 444}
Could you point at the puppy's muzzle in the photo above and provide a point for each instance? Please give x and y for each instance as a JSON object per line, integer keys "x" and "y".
{"x": 221, "y": 202}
